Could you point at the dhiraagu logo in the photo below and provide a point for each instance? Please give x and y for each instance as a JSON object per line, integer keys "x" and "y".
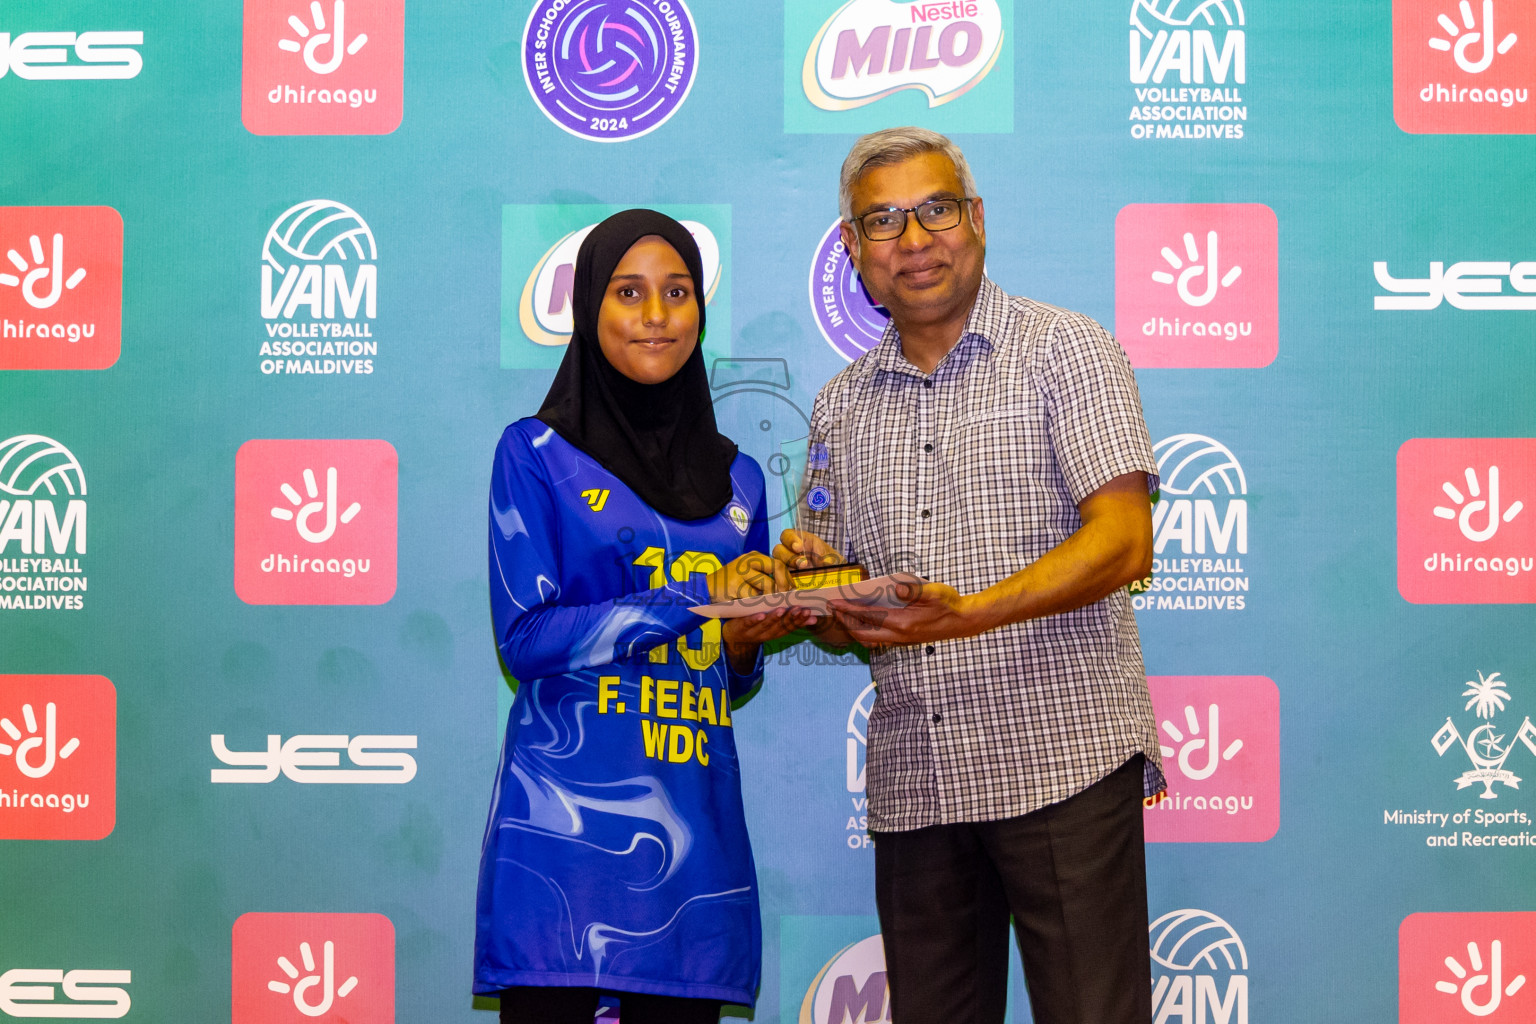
{"x": 538, "y": 268}
{"x": 867, "y": 64}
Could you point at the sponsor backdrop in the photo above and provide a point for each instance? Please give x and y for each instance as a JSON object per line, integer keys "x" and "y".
{"x": 273, "y": 276}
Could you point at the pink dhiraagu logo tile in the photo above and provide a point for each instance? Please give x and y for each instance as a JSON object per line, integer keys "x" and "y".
{"x": 61, "y": 287}
{"x": 1220, "y": 739}
{"x": 312, "y": 969}
{"x": 315, "y": 522}
{"x": 58, "y": 757}
{"x": 1464, "y": 532}
{"x": 323, "y": 67}
{"x": 1464, "y": 66}
{"x": 1197, "y": 284}
{"x": 1463, "y": 967}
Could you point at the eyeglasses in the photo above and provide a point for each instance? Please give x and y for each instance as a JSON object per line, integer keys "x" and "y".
{"x": 934, "y": 215}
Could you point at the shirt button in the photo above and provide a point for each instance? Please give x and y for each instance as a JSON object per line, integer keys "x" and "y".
{"x": 936, "y": 717}
{"x": 925, "y": 513}
{"x": 929, "y": 648}
{"x": 928, "y": 384}
{"x": 927, "y": 447}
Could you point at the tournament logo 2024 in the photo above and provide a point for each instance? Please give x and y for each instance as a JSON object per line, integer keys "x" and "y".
{"x": 1200, "y": 529}
{"x": 58, "y": 757}
{"x": 610, "y": 70}
{"x": 325, "y": 67}
{"x": 1464, "y": 66}
{"x": 319, "y": 291}
{"x": 61, "y": 287}
{"x": 42, "y": 526}
{"x": 1189, "y": 69}
{"x": 1466, "y": 966}
{"x": 1464, "y": 533}
{"x": 847, "y": 317}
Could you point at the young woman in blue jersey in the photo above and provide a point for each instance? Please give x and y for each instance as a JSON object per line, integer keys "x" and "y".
{"x": 616, "y": 857}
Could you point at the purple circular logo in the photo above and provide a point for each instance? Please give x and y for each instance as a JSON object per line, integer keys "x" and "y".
{"x": 609, "y": 70}
{"x": 847, "y": 317}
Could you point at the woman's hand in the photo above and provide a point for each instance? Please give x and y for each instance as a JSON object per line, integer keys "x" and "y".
{"x": 743, "y": 636}
{"x": 750, "y": 575}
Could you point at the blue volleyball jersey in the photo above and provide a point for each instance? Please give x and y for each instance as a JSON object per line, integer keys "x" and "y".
{"x": 616, "y": 853}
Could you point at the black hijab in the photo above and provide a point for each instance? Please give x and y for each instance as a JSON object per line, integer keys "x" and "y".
{"x": 660, "y": 439}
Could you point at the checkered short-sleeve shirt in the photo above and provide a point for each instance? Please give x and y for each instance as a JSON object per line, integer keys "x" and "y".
{"x": 966, "y": 476}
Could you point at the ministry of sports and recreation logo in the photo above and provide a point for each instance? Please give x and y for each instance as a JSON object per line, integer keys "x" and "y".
{"x": 538, "y": 272}
{"x": 315, "y": 521}
{"x": 1485, "y": 746}
{"x": 294, "y": 968}
{"x": 317, "y": 759}
{"x": 61, "y": 287}
{"x": 610, "y": 70}
{"x": 1463, "y": 66}
{"x": 1464, "y": 534}
{"x": 1470, "y": 284}
{"x": 81, "y": 994}
{"x": 1199, "y": 968}
{"x": 847, "y": 317}
{"x": 1200, "y": 529}
{"x": 43, "y": 518}
{"x": 1220, "y": 739}
{"x": 1466, "y": 966}
{"x": 850, "y": 988}
{"x": 66, "y": 56}
{"x": 319, "y": 291}
{"x": 58, "y": 757}
{"x": 943, "y": 64}
{"x": 323, "y": 67}
{"x": 1197, "y": 284}
{"x": 1188, "y": 59}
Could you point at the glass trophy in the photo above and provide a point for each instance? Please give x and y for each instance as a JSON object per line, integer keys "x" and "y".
{"x": 811, "y": 504}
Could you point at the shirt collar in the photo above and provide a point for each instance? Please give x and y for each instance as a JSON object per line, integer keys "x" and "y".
{"x": 985, "y": 324}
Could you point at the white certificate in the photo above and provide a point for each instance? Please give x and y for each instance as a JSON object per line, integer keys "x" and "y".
{"x": 894, "y": 591}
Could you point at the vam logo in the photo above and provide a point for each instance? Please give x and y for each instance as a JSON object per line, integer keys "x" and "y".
{"x": 1221, "y": 752}
{"x": 1463, "y": 66}
{"x": 1187, "y": 59}
{"x": 294, "y": 968}
{"x": 851, "y": 988}
{"x": 856, "y": 750}
{"x": 58, "y": 757}
{"x": 298, "y": 541}
{"x": 317, "y": 759}
{"x": 45, "y": 56}
{"x": 1472, "y": 284}
{"x": 61, "y": 287}
{"x": 538, "y": 248}
{"x": 328, "y": 67}
{"x": 1465, "y": 966}
{"x": 1200, "y": 969}
{"x": 43, "y": 515}
{"x": 1203, "y": 511}
{"x": 609, "y": 70}
{"x": 1197, "y": 284}
{"x": 319, "y": 290}
{"x": 87, "y": 994}
{"x": 1463, "y": 533}
{"x": 847, "y": 317}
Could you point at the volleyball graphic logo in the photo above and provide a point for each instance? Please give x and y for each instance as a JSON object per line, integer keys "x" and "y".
{"x": 847, "y": 317}
{"x": 1193, "y": 464}
{"x": 1175, "y": 14}
{"x": 858, "y": 737}
{"x": 1189, "y": 940}
{"x": 316, "y": 230}
{"x": 31, "y": 464}
{"x": 609, "y": 70}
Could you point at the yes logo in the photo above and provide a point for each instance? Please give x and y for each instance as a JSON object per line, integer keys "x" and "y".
{"x": 1463, "y": 66}
{"x": 325, "y": 968}
{"x": 61, "y": 287}
{"x": 1220, "y": 738}
{"x": 45, "y": 56}
{"x": 1463, "y": 966}
{"x": 311, "y": 759}
{"x": 326, "y": 67}
{"x": 58, "y": 757}
{"x": 1197, "y": 285}
{"x": 315, "y": 522}
{"x": 1464, "y": 535}
{"x": 88, "y": 995}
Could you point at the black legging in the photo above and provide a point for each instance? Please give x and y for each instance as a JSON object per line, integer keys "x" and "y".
{"x": 531, "y": 1004}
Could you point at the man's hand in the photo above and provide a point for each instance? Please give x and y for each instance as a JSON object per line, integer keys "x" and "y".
{"x": 938, "y": 612}
{"x": 798, "y": 549}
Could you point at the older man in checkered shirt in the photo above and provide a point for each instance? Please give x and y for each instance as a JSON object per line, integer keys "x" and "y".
{"x": 995, "y": 445}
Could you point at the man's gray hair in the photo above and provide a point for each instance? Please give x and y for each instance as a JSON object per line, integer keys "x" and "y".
{"x": 892, "y": 146}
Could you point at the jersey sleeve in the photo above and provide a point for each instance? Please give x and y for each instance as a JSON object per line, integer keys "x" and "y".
{"x": 742, "y": 684}
{"x": 537, "y": 634}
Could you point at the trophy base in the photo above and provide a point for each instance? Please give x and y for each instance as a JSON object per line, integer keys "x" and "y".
{"x": 816, "y": 577}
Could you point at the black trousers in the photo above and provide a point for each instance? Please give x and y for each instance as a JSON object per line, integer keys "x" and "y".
{"x": 533, "y": 1004}
{"x": 1073, "y": 876}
